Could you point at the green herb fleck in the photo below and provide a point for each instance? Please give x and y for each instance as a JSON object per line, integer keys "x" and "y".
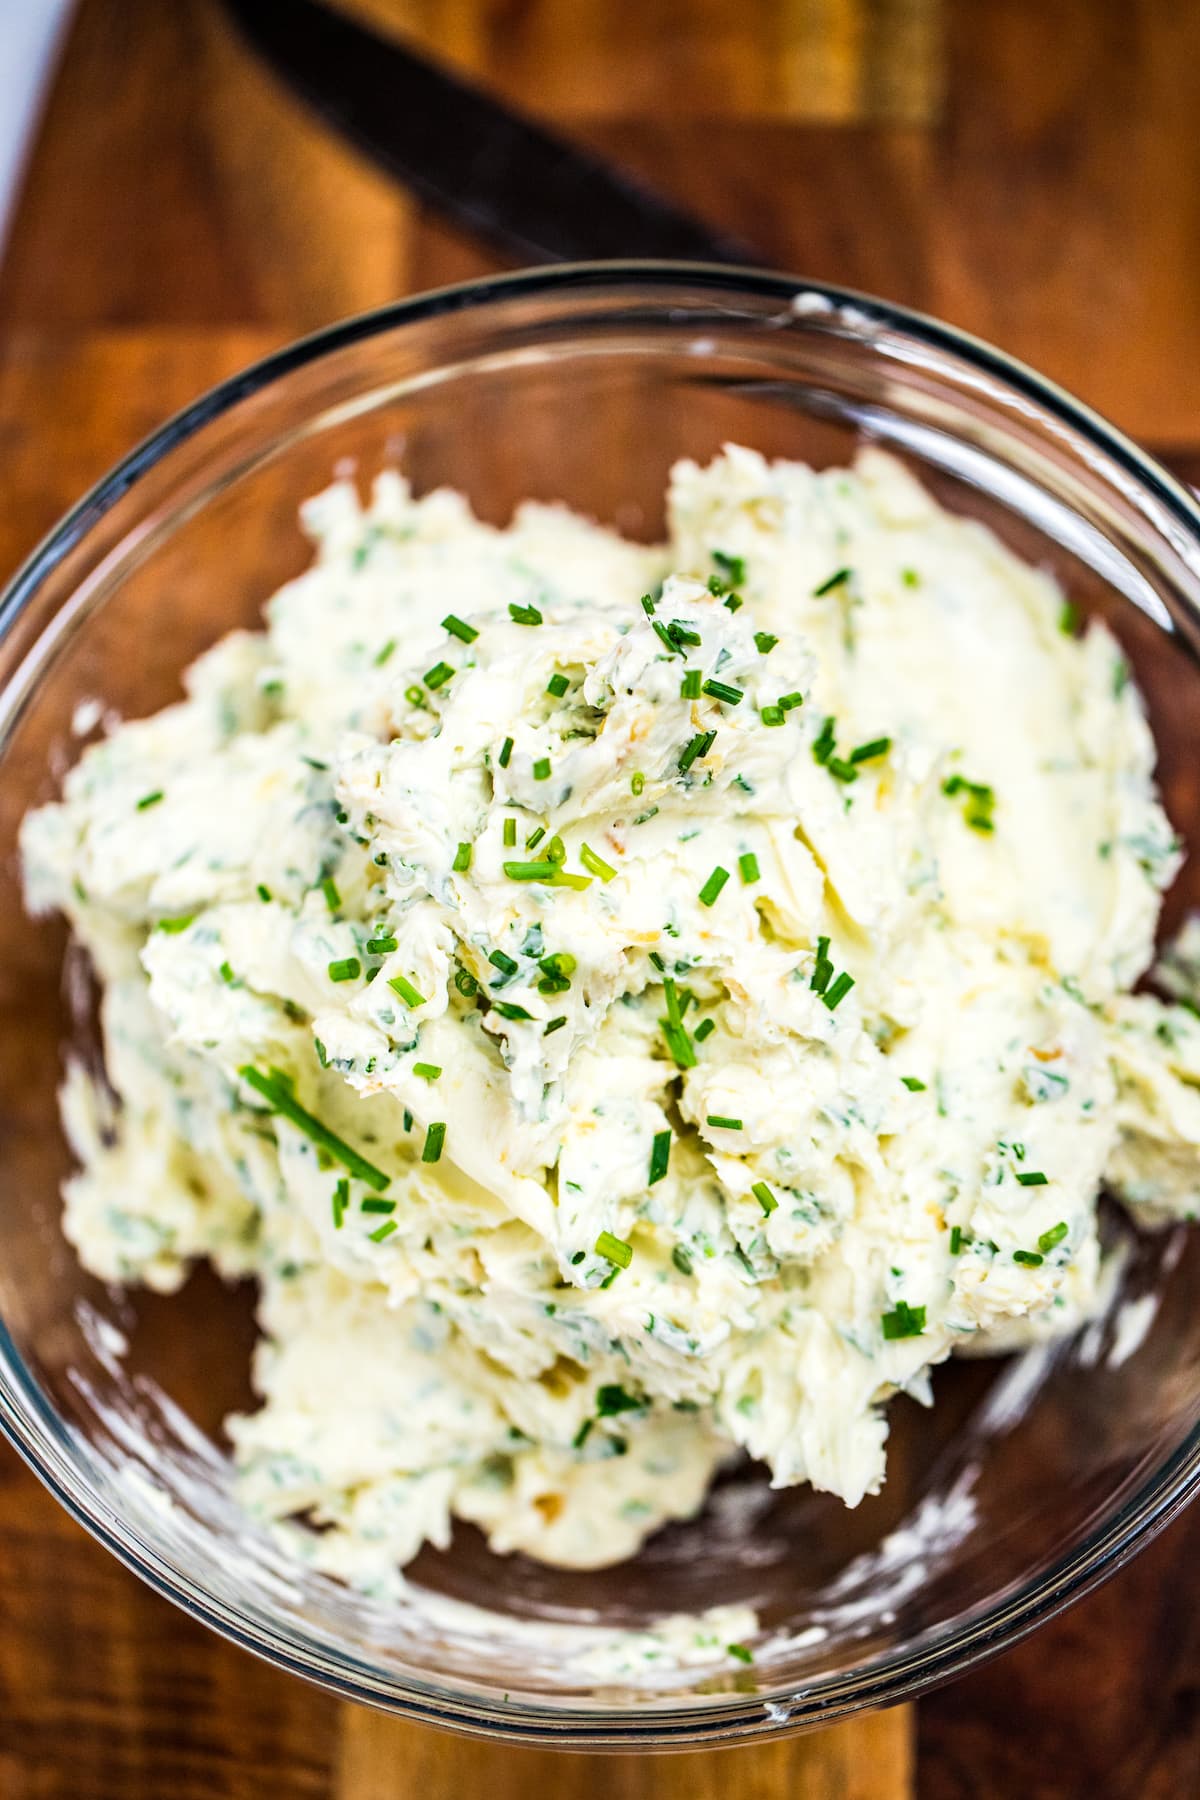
{"x": 411, "y": 996}
{"x": 541, "y": 769}
{"x": 595, "y": 865}
{"x": 765, "y": 642}
{"x": 462, "y": 859}
{"x": 903, "y": 1321}
{"x": 765, "y": 1198}
{"x": 1031, "y": 1178}
{"x": 712, "y": 887}
{"x": 330, "y": 890}
{"x": 614, "y": 1249}
{"x": 837, "y": 993}
{"x": 748, "y": 865}
{"x": 1050, "y": 1239}
{"x": 435, "y": 1137}
{"x": 868, "y": 752}
{"x": 660, "y": 1156}
{"x": 524, "y": 615}
{"x": 344, "y": 968}
{"x": 276, "y": 1090}
{"x": 721, "y": 690}
{"x": 720, "y": 1123}
{"x": 427, "y": 1071}
{"x": 149, "y": 800}
{"x": 506, "y": 750}
{"x": 465, "y": 633}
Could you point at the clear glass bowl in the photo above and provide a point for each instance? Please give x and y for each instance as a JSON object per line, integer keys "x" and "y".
{"x": 1029, "y": 1480}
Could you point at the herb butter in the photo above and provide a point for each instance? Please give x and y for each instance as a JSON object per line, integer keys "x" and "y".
{"x": 626, "y": 1006}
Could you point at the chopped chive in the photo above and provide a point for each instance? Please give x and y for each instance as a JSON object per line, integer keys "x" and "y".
{"x": 435, "y": 1137}
{"x": 647, "y": 606}
{"x": 499, "y": 959}
{"x": 559, "y": 963}
{"x": 510, "y": 833}
{"x": 912, "y": 1084}
{"x": 556, "y": 850}
{"x": 765, "y": 642}
{"x": 462, "y": 859}
{"x": 681, "y": 634}
{"x": 1029, "y": 1259}
{"x": 637, "y": 783}
{"x": 557, "y": 685}
{"x": 457, "y": 628}
{"x": 385, "y": 653}
{"x": 704, "y": 1029}
{"x": 506, "y": 750}
{"x": 748, "y": 866}
{"x": 149, "y": 800}
{"x": 1055, "y": 1235}
{"x": 689, "y": 687}
{"x": 524, "y": 615}
{"x": 696, "y": 747}
{"x": 765, "y": 1198}
{"x": 1031, "y": 1178}
{"x": 741, "y": 1652}
{"x": 720, "y": 1123}
{"x": 789, "y": 702}
{"x": 531, "y": 871}
{"x": 332, "y": 898}
{"x": 671, "y": 994}
{"x": 466, "y": 983}
{"x": 657, "y": 960}
{"x": 275, "y": 1088}
{"x": 439, "y": 675}
{"x": 1068, "y": 618}
{"x": 227, "y": 975}
{"x": 720, "y": 690}
{"x": 383, "y": 1231}
{"x": 541, "y": 769}
{"x": 837, "y": 993}
{"x": 664, "y": 637}
{"x": 400, "y": 984}
{"x": 734, "y": 602}
{"x": 823, "y": 743}
{"x": 712, "y": 887}
{"x": 264, "y": 893}
{"x": 614, "y": 1249}
{"x": 660, "y": 1156}
{"x": 956, "y": 1239}
{"x": 535, "y": 838}
{"x": 173, "y": 926}
{"x": 716, "y": 586}
{"x": 679, "y": 1044}
{"x": 383, "y": 945}
{"x": 903, "y": 1321}
{"x": 344, "y": 968}
{"x": 732, "y": 567}
{"x": 681, "y": 1259}
{"x": 341, "y": 1200}
{"x": 555, "y": 1024}
{"x": 427, "y": 1071}
{"x": 379, "y": 1206}
{"x": 771, "y": 715}
{"x": 840, "y": 769}
{"x": 910, "y": 578}
{"x": 868, "y": 752}
{"x": 561, "y": 878}
{"x": 822, "y": 967}
{"x": 594, "y": 864}
{"x": 835, "y": 580}
{"x": 508, "y": 1009}
{"x": 414, "y": 695}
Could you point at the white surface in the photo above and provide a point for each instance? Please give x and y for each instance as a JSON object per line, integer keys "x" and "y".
{"x": 30, "y": 31}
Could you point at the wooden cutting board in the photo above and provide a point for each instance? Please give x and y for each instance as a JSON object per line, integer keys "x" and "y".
{"x": 1027, "y": 168}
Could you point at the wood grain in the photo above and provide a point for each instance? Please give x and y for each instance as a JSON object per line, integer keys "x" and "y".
{"x": 1028, "y": 168}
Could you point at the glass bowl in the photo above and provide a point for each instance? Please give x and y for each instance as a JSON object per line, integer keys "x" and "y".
{"x": 1030, "y": 1479}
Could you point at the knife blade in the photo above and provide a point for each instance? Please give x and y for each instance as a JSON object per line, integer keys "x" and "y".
{"x": 527, "y": 190}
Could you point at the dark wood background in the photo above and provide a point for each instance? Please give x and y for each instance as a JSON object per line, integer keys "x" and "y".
{"x": 1029, "y": 169}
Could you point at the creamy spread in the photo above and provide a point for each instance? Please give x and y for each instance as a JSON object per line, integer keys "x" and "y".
{"x": 626, "y": 1006}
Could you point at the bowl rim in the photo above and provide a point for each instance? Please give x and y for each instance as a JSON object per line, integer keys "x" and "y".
{"x": 34, "y": 1429}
